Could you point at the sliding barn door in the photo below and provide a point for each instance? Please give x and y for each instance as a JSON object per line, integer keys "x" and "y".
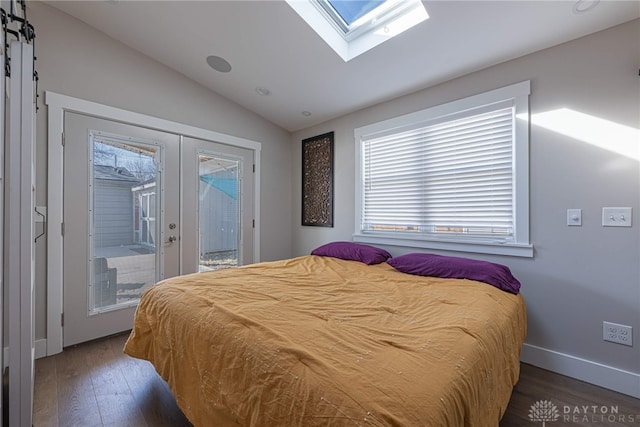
{"x": 18, "y": 236}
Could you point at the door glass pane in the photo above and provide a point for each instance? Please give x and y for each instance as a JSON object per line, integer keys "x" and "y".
{"x": 123, "y": 259}
{"x": 218, "y": 211}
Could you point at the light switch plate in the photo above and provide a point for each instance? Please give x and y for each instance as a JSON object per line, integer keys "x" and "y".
{"x": 574, "y": 217}
{"x": 616, "y": 217}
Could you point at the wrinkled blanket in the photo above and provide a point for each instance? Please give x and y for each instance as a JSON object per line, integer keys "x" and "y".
{"x": 316, "y": 341}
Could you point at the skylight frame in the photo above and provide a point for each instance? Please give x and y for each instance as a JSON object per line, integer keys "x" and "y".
{"x": 369, "y": 22}
{"x": 375, "y": 27}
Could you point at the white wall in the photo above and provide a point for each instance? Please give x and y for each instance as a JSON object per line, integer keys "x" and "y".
{"x": 579, "y": 276}
{"x": 76, "y": 60}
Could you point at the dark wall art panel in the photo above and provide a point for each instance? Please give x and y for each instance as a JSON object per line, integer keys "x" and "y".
{"x": 317, "y": 180}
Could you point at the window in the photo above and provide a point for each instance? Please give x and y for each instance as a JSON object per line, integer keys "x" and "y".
{"x": 350, "y": 11}
{"x": 352, "y": 27}
{"x": 355, "y": 18}
{"x": 450, "y": 177}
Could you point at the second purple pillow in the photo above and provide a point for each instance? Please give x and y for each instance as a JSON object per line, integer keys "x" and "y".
{"x": 497, "y": 275}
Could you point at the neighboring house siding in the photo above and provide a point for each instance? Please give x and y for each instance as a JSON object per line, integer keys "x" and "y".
{"x": 113, "y": 220}
{"x": 218, "y": 217}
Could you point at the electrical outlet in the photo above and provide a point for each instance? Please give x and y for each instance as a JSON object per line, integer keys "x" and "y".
{"x": 621, "y": 334}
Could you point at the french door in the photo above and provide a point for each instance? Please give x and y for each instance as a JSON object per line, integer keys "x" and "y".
{"x": 217, "y": 199}
{"x": 139, "y": 206}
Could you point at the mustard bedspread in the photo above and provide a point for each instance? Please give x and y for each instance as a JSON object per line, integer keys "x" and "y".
{"x": 316, "y": 341}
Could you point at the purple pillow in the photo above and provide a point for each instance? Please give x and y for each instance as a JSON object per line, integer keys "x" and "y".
{"x": 353, "y": 252}
{"x": 457, "y": 268}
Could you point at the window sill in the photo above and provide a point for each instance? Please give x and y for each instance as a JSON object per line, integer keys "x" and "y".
{"x": 517, "y": 250}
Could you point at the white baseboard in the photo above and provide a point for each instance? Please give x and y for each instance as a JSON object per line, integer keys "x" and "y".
{"x": 40, "y": 347}
{"x": 586, "y": 370}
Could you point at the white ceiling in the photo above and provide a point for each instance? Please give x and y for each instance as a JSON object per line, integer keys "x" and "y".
{"x": 269, "y": 45}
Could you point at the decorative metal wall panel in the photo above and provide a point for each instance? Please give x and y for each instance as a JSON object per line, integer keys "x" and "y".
{"x": 317, "y": 180}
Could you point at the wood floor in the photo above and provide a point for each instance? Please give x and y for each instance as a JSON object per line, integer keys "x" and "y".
{"x": 95, "y": 384}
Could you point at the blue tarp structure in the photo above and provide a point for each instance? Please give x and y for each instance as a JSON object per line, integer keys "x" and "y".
{"x": 228, "y": 186}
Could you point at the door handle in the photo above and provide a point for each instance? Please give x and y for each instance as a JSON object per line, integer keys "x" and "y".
{"x": 172, "y": 239}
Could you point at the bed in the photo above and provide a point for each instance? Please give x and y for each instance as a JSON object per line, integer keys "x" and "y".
{"x": 324, "y": 341}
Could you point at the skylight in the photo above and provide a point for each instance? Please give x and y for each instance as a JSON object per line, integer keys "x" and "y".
{"x": 352, "y": 27}
{"x": 351, "y": 11}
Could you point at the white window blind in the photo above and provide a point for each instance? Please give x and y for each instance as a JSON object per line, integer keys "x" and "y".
{"x": 453, "y": 178}
{"x": 454, "y": 173}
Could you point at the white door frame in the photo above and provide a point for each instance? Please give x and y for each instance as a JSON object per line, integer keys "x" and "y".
{"x": 59, "y": 104}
